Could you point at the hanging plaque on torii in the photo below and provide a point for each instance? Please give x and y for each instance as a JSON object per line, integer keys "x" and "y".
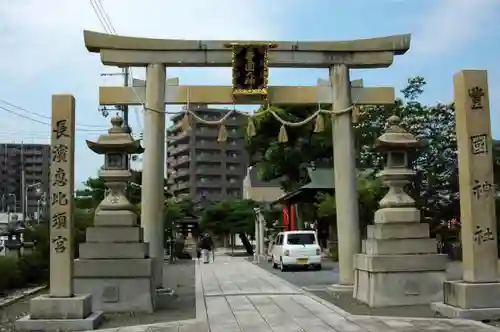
{"x": 250, "y": 71}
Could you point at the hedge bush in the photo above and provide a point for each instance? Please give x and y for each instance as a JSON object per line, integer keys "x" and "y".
{"x": 10, "y": 276}
{"x": 33, "y": 268}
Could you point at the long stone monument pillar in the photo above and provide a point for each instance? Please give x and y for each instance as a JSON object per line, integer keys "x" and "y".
{"x": 477, "y": 296}
{"x": 154, "y": 167}
{"x": 61, "y": 309}
{"x": 344, "y": 159}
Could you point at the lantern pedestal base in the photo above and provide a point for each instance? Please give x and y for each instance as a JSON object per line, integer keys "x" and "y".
{"x": 395, "y": 280}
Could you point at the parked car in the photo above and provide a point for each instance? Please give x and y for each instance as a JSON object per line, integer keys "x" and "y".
{"x": 296, "y": 248}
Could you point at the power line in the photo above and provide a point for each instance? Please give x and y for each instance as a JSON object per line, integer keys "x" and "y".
{"x": 44, "y": 116}
{"x": 39, "y": 121}
{"x": 108, "y": 27}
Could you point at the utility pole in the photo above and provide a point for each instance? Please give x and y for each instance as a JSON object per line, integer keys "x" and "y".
{"x": 24, "y": 195}
{"x": 126, "y": 73}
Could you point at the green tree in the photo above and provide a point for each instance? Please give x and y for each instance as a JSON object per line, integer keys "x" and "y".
{"x": 231, "y": 217}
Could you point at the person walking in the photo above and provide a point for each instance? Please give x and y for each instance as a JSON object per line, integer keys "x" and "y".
{"x": 206, "y": 248}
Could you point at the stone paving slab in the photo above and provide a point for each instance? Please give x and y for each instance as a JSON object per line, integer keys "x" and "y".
{"x": 234, "y": 295}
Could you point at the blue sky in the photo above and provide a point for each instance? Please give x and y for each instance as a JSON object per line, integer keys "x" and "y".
{"x": 43, "y": 52}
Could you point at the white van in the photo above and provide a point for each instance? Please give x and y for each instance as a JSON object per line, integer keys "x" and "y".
{"x": 296, "y": 248}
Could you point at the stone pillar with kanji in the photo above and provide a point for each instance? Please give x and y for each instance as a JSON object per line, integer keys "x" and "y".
{"x": 63, "y": 308}
{"x": 477, "y": 296}
{"x": 114, "y": 263}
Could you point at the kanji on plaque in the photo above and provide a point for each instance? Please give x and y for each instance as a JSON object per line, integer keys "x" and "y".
{"x": 482, "y": 189}
{"x": 483, "y": 235}
{"x": 59, "y": 198}
{"x": 476, "y": 95}
{"x": 59, "y": 220}
{"x": 60, "y": 178}
{"x": 61, "y": 129}
{"x": 60, "y": 153}
{"x": 60, "y": 243}
{"x": 479, "y": 144}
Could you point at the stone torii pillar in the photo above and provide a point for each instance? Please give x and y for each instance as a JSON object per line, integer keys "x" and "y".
{"x": 154, "y": 167}
{"x": 344, "y": 158}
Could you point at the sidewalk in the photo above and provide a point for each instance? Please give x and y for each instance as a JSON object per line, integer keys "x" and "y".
{"x": 234, "y": 295}
{"x": 240, "y": 296}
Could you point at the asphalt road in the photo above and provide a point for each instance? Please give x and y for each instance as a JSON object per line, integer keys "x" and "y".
{"x": 307, "y": 278}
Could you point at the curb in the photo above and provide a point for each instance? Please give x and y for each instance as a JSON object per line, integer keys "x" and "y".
{"x": 21, "y": 296}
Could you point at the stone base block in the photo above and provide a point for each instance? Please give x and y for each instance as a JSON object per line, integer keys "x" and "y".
{"x": 114, "y": 234}
{"x": 401, "y": 263}
{"x": 115, "y": 218}
{"x": 450, "y": 311}
{"x": 92, "y": 321}
{"x": 386, "y": 289}
{"x": 472, "y": 295}
{"x": 51, "y": 313}
{"x": 99, "y": 250}
{"x": 397, "y": 215}
{"x": 399, "y": 246}
{"x": 398, "y": 231}
{"x": 46, "y": 307}
{"x": 119, "y": 294}
{"x": 113, "y": 268}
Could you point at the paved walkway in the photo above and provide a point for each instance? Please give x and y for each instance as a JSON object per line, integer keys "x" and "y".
{"x": 234, "y": 295}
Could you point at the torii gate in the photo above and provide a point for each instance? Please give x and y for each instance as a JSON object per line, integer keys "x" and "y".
{"x": 338, "y": 56}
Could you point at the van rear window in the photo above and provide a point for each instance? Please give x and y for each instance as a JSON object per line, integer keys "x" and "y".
{"x": 301, "y": 238}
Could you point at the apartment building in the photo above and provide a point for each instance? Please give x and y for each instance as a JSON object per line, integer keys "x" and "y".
{"x": 199, "y": 166}
{"x": 36, "y": 158}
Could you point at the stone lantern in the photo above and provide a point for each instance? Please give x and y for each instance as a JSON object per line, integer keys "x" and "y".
{"x": 114, "y": 263}
{"x": 395, "y": 145}
{"x": 399, "y": 263}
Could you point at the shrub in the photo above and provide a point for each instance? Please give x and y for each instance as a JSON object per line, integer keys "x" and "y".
{"x": 33, "y": 268}
{"x": 10, "y": 276}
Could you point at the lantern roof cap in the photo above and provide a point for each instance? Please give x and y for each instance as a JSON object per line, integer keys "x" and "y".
{"x": 117, "y": 140}
{"x": 396, "y": 136}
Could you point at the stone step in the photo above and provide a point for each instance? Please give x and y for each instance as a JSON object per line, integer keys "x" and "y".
{"x": 398, "y": 231}
{"x": 96, "y": 250}
{"x": 114, "y": 234}
{"x": 399, "y": 246}
{"x": 401, "y": 263}
{"x": 113, "y": 268}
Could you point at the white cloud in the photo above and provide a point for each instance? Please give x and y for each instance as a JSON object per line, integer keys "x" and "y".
{"x": 450, "y": 24}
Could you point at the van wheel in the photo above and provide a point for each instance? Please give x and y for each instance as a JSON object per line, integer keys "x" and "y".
{"x": 318, "y": 267}
{"x": 275, "y": 266}
{"x": 282, "y": 266}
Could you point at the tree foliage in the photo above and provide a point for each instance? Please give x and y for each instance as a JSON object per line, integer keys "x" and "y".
{"x": 435, "y": 186}
{"x": 230, "y": 217}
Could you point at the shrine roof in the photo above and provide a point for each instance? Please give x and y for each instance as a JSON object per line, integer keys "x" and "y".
{"x": 320, "y": 179}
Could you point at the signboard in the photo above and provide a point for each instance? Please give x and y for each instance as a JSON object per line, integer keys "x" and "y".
{"x": 250, "y": 70}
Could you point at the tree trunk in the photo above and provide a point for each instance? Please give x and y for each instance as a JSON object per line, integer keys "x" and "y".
{"x": 246, "y": 243}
